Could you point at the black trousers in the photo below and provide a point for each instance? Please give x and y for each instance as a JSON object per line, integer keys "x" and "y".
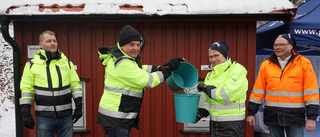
{"x": 227, "y": 129}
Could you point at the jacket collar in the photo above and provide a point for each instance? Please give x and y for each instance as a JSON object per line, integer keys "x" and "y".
{"x": 41, "y": 57}
{"x": 273, "y": 58}
{"x": 125, "y": 55}
{"x": 46, "y": 55}
{"x": 223, "y": 66}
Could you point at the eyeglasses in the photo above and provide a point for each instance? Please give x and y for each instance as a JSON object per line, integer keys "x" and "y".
{"x": 280, "y": 44}
{"x": 214, "y": 56}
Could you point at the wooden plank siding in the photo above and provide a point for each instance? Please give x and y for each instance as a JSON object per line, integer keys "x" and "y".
{"x": 80, "y": 40}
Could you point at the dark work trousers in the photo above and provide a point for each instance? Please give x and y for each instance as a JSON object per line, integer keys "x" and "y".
{"x": 227, "y": 129}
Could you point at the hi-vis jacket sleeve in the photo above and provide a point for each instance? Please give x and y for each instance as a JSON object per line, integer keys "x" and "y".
{"x": 148, "y": 68}
{"x": 27, "y": 86}
{"x": 311, "y": 91}
{"x": 259, "y": 88}
{"x": 258, "y": 92}
{"x": 74, "y": 82}
{"x": 234, "y": 88}
{"x": 131, "y": 75}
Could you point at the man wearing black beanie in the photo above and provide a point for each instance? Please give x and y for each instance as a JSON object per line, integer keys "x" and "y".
{"x": 225, "y": 88}
{"x": 125, "y": 80}
{"x": 128, "y": 34}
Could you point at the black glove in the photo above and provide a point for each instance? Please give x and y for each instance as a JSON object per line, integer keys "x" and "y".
{"x": 198, "y": 118}
{"x": 165, "y": 71}
{"x": 28, "y": 121}
{"x": 77, "y": 114}
{"x": 201, "y": 114}
{"x": 205, "y": 88}
{"x": 174, "y": 63}
{"x": 201, "y": 87}
{"x": 156, "y": 68}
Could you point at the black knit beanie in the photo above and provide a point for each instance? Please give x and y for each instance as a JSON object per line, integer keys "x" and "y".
{"x": 220, "y": 46}
{"x": 289, "y": 38}
{"x": 128, "y": 34}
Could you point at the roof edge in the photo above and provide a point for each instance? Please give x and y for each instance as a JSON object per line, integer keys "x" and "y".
{"x": 169, "y": 17}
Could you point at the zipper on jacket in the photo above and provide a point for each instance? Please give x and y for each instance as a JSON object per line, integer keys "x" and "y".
{"x": 289, "y": 64}
{"x": 49, "y": 75}
{"x": 59, "y": 76}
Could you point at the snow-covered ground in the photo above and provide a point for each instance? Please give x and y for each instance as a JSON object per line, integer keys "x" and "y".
{"x": 7, "y": 107}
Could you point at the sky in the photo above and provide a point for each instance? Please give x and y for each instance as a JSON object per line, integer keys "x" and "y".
{"x": 150, "y": 7}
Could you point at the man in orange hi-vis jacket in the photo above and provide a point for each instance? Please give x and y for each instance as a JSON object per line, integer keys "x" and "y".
{"x": 288, "y": 83}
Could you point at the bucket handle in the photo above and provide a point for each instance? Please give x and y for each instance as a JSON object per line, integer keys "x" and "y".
{"x": 192, "y": 64}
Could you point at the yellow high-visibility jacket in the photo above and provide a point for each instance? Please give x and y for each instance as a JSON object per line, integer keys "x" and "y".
{"x": 227, "y": 101}
{"x": 51, "y": 83}
{"x": 125, "y": 80}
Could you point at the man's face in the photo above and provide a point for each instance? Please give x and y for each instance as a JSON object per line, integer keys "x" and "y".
{"x": 132, "y": 48}
{"x": 49, "y": 43}
{"x": 282, "y": 48}
{"x": 215, "y": 57}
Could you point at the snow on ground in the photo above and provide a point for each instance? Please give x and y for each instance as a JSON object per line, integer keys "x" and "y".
{"x": 7, "y": 108}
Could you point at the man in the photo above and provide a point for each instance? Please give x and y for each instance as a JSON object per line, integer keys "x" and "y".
{"x": 125, "y": 80}
{"x": 51, "y": 81}
{"x": 225, "y": 89}
{"x": 289, "y": 86}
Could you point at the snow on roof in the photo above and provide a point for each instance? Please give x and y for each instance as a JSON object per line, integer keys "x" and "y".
{"x": 147, "y": 7}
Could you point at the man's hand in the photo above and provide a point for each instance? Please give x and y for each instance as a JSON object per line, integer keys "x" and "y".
{"x": 201, "y": 87}
{"x": 201, "y": 114}
{"x": 174, "y": 63}
{"x": 206, "y": 89}
{"x": 77, "y": 114}
{"x": 198, "y": 118}
{"x": 28, "y": 121}
{"x": 251, "y": 120}
{"x": 310, "y": 125}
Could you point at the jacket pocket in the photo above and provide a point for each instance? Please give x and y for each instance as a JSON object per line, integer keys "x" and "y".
{"x": 294, "y": 116}
{"x": 270, "y": 114}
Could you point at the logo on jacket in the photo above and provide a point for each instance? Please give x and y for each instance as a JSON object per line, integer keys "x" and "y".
{"x": 233, "y": 79}
{"x": 310, "y": 69}
{"x": 64, "y": 68}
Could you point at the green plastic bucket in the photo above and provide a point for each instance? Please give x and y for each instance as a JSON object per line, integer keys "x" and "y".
{"x": 185, "y": 77}
{"x": 186, "y": 107}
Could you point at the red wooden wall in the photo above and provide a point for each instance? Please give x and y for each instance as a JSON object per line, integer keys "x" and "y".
{"x": 79, "y": 41}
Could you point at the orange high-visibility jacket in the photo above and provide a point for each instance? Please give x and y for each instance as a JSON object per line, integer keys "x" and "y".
{"x": 287, "y": 92}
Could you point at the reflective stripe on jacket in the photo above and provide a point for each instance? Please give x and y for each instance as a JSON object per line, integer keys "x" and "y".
{"x": 287, "y": 92}
{"x": 123, "y": 91}
{"x": 51, "y": 84}
{"x": 229, "y": 96}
